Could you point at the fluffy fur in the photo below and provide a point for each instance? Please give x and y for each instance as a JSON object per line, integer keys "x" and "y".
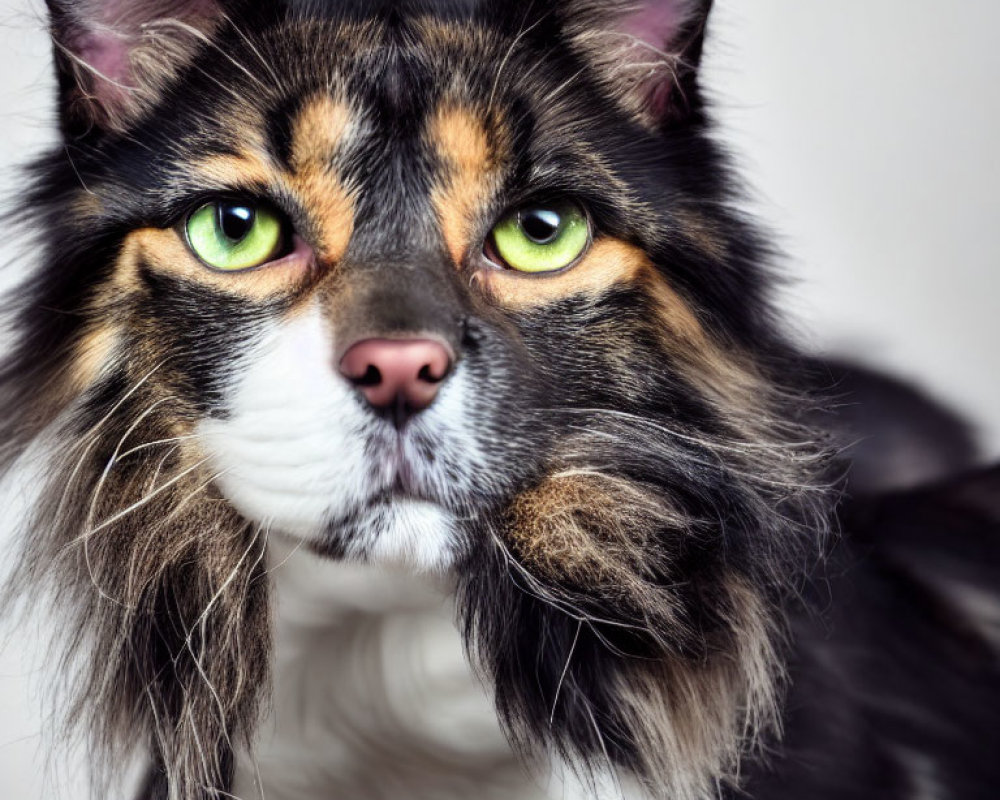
{"x": 618, "y": 478}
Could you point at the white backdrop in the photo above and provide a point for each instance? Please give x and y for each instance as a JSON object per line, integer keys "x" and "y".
{"x": 869, "y": 131}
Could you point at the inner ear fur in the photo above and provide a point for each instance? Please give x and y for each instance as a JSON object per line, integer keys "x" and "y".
{"x": 113, "y": 57}
{"x": 646, "y": 52}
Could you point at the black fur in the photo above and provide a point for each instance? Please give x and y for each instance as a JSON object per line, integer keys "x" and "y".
{"x": 895, "y": 677}
{"x": 698, "y": 562}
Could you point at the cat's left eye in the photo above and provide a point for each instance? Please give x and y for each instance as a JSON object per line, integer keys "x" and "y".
{"x": 233, "y": 235}
{"x": 540, "y": 237}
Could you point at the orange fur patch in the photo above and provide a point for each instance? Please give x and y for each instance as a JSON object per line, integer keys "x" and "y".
{"x": 165, "y": 251}
{"x": 608, "y": 263}
{"x": 92, "y": 352}
{"x": 727, "y": 377}
{"x": 319, "y": 131}
{"x": 228, "y": 171}
{"x": 591, "y": 528}
{"x": 460, "y": 140}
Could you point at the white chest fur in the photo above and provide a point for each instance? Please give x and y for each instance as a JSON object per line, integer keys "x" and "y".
{"x": 373, "y": 697}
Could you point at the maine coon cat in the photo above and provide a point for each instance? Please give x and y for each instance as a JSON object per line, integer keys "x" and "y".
{"x": 461, "y": 287}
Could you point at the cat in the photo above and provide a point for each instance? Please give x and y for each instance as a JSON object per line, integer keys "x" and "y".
{"x": 458, "y": 290}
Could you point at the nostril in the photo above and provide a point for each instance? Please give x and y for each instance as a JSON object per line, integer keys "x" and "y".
{"x": 430, "y": 373}
{"x": 371, "y": 377}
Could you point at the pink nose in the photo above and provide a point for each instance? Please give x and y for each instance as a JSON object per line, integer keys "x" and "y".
{"x": 398, "y": 374}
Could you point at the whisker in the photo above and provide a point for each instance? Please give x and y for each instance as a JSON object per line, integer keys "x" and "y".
{"x": 114, "y": 455}
{"x": 156, "y": 443}
{"x": 90, "y": 439}
{"x": 204, "y": 39}
{"x": 510, "y": 51}
{"x": 180, "y": 505}
{"x": 143, "y": 501}
{"x": 565, "y": 669}
{"x": 260, "y": 57}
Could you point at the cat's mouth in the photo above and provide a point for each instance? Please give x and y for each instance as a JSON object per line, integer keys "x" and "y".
{"x": 408, "y": 467}
{"x": 404, "y": 488}
{"x": 371, "y": 492}
{"x": 408, "y": 506}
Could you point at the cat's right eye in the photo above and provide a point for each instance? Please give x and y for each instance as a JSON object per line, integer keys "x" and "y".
{"x": 233, "y": 235}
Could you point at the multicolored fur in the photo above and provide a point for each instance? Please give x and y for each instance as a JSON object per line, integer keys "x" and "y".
{"x": 617, "y": 474}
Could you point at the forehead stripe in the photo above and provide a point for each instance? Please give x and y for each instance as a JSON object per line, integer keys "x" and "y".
{"x": 320, "y": 131}
{"x": 459, "y": 138}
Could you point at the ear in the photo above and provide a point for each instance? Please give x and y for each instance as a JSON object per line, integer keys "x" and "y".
{"x": 647, "y": 50}
{"x": 114, "y": 56}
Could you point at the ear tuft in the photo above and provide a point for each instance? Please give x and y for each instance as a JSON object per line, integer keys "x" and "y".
{"x": 113, "y": 56}
{"x": 648, "y": 51}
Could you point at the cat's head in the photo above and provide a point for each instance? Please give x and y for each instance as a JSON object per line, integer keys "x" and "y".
{"x": 457, "y": 285}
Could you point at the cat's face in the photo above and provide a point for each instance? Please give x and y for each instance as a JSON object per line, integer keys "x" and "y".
{"x": 456, "y": 287}
{"x": 386, "y": 155}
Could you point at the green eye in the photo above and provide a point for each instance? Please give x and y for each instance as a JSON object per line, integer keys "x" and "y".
{"x": 232, "y": 235}
{"x": 541, "y": 238}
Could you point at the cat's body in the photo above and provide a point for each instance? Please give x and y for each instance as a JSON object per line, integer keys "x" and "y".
{"x": 460, "y": 289}
{"x": 399, "y": 714}
{"x": 889, "y": 692}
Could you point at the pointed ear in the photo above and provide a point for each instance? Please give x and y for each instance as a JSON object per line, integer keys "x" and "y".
{"x": 648, "y": 51}
{"x": 114, "y": 56}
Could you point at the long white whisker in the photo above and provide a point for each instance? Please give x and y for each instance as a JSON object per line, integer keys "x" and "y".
{"x": 542, "y": 593}
{"x": 147, "y": 445}
{"x": 159, "y": 467}
{"x": 179, "y": 506}
{"x": 200, "y": 623}
{"x": 114, "y": 455}
{"x": 98, "y": 489}
{"x": 189, "y": 711}
{"x": 565, "y": 669}
{"x": 143, "y": 501}
{"x": 90, "y": 439}
{"x": 677, "y": 434}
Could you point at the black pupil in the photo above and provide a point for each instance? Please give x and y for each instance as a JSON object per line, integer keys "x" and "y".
{"x": 235, "y": 221}
{"x": 541, "y": 225}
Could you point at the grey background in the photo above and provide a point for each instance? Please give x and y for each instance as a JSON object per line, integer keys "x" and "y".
{"x": 869, "y": 131}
